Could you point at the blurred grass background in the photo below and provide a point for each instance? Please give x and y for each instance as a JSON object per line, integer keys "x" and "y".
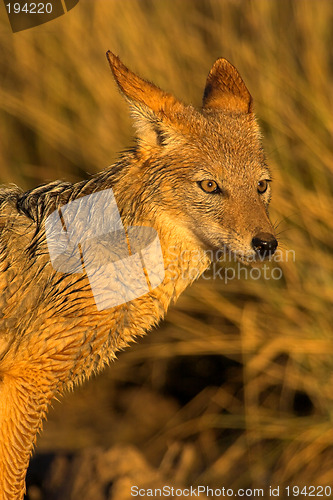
{"x": 238, "y": 380}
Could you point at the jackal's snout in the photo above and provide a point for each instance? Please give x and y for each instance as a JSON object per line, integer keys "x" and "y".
{"x": 264, "y": 244}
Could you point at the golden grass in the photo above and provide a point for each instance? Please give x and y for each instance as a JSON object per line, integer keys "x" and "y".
{"x": 61, "y": 116}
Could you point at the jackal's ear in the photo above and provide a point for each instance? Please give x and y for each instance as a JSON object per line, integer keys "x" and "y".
{"x": 153, "y": 110}
{"x": 225, "y": 89}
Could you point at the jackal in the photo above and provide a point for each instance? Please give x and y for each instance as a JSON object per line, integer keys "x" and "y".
{"x": 197, "y": 177}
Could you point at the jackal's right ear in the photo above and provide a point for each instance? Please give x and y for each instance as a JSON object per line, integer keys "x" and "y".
{"x": 154, "y": 111}
{"x": 225, "y": 89}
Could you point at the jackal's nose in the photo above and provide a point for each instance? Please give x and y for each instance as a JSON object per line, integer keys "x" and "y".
{"x": 264, "y": 244}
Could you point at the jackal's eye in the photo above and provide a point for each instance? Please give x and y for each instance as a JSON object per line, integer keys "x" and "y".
{"x": 262, "y": 186}
{"x": 209, "y": 186}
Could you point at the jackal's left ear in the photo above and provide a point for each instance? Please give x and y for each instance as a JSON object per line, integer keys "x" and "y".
{"x": 155, "y": 112}
{"x": 225, "y": 90}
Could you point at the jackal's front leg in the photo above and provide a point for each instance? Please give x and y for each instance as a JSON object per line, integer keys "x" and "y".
{"x": 24, "y": 398}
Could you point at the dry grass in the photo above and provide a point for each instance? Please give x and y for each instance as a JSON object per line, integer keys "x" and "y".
{"x": 271, "y": 420}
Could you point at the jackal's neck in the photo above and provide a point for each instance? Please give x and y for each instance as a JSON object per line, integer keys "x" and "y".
{"x": 183, "y": 256}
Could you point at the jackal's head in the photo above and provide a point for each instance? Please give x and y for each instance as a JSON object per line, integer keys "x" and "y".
{"x": 204, "y": 167}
